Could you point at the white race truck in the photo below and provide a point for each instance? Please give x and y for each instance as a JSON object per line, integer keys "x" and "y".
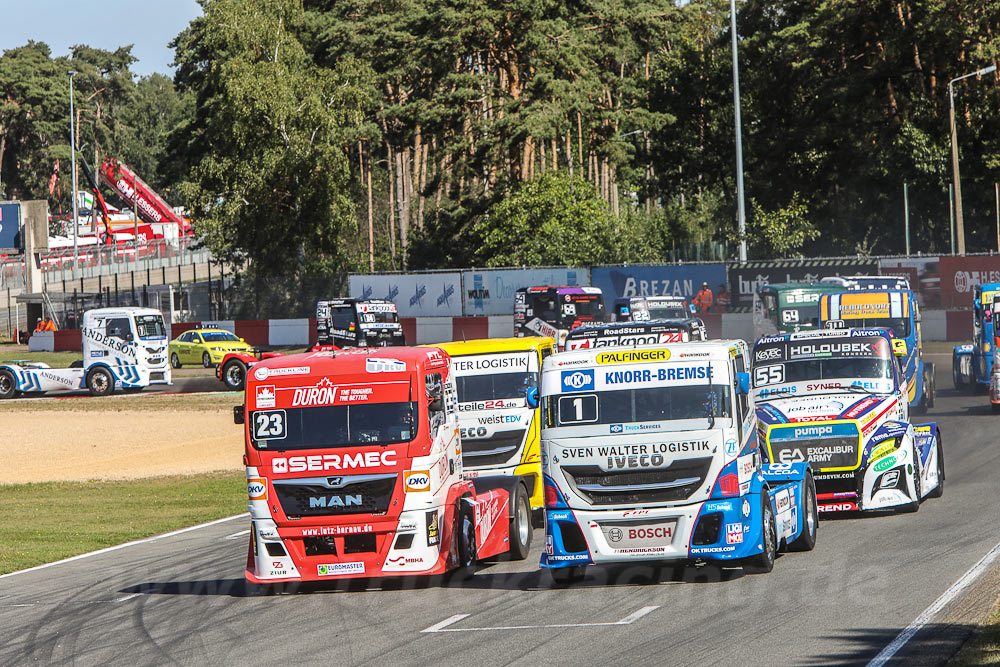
{"x": 124, "y": 347}
{"x": 650, "y": 454}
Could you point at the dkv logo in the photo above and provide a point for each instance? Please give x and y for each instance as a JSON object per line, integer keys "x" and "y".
{"x": 577, "y": 380}
{"x": 418, "y": 480}
{"x": 257, "y": 489}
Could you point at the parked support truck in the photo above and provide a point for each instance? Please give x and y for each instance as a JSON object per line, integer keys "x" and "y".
{"x": 553, "y": 311}
{"x": 651, "y": 454}
{"x": 354, "y": 469}
{"x": 122, "y": 347}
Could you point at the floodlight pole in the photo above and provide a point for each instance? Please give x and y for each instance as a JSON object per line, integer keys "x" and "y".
{"x": 72, "y": 149}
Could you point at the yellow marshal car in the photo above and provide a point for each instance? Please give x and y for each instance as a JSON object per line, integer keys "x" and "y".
{"x": 205, "y": 346}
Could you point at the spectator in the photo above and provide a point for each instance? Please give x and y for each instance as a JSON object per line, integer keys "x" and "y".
{"x": 722, "y": 299}
{"x": 703, "y": 301}
{"x": 49, "y": 325}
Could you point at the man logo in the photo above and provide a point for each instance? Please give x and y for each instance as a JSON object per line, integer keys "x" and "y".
{"x": 417, "y": 480}
{"x": 577, "y": 380}
{"x": 257, "y": 489}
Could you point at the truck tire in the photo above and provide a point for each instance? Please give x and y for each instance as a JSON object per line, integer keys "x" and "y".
{"x": 956, "y": 374}
{"x": 206, "y": 360}
{"x": 100, "y": 382}
{"x": 234, "y": 374}
{"x": 566, "y": 576}
{"x": 763, "y": 562}
{"x": 520, "y": 524}
{"x": 175, "y": 361}
{"x": 8, "y": 385}
{"x": 465, "y": 535}
{"x": 939, "y": 489}
{"x": 930, "y": 385}
{"x": 806, "y": 541}
{"x": 914, "y": 505}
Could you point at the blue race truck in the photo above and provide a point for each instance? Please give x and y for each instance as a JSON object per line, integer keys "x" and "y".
{"x": 972, "y": 365}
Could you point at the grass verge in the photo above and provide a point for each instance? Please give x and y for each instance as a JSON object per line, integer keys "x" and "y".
{"x": 984, "y": 647}
{"x": 41, "y": 523}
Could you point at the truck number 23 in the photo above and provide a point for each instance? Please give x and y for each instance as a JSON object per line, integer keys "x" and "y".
{"x": 269, "y": 425}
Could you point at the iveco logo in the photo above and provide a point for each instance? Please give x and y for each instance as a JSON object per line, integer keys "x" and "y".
{"x": 577, "y": 380}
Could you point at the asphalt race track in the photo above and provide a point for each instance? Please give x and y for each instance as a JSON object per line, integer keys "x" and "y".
{"x": 181, "y": 598}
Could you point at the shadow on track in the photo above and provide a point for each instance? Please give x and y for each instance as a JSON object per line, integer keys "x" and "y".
{"x": 534, "y": 580}
{"x": 935, "y": 644}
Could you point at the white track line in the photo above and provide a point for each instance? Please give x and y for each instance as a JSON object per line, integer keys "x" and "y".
{"x": 235, "y": 535}
{"x": 127, "y": 544}
{"x": 443, "y": 625}
{"x": 913, "y": 628}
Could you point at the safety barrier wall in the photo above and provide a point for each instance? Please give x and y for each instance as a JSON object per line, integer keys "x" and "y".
{"x": 939, "y": 325}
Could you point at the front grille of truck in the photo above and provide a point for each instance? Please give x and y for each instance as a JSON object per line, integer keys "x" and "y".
{"x": 335, "y": 495}
{"x": 820, "y": 453}
{"x": 621, "y": 487}
{"x": 498, "y": 449}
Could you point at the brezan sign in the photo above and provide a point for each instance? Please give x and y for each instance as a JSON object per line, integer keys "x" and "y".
{"x": 665, "y": 280}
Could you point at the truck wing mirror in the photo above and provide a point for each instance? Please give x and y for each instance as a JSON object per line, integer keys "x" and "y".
{"x": 742, "y": 383}
{"x": 435, "y": 403}
{"x": 239, "y": 414}
{"x": 531, "y": 397}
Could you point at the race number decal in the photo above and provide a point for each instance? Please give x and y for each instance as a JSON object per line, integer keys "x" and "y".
{"x": 578, "y": 409}
{"x": 765, "y": 375}
{"x": 789, "y": 316}
{"x": 269, "y": 425}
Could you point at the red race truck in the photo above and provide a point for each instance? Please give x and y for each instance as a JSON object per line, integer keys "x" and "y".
{"x": 354, "y": 469}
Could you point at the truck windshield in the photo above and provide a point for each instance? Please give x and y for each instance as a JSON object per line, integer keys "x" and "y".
{"x": 667, "y": 311}
{"x": 638, "y": 405}
{"x": 333, "y": 426}
{"x": 150, "y": 326}
{"x": 829, "y": 369}
{"x": 490, "y": 386}
{"x": 378, "y": 318}
{"x": 803, "y": 317}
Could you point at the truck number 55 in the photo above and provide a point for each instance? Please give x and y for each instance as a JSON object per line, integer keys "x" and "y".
{"x": 764, "y": 375}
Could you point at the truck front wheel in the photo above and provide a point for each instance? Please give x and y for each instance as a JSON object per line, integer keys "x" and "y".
{"x": 100, "y": 382}
{"x": 810, "y": 517}
{"x": 8, "y": 386}
{"x": 520, "y": 524}
{"x": 465, "y": 534}
{"x": 763, "y": 562}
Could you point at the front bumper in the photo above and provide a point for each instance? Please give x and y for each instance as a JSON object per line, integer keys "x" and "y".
{"x": 416, "y": 544}
{"x": 578, "y": 537}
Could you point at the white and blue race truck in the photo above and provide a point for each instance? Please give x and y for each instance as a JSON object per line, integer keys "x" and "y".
{"x": 650, "y": 454}
{"x": 122, "y": 347}
{"x": 838, "y": 400}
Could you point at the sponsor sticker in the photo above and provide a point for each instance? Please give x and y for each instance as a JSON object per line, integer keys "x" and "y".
{"x": 265, "y": 396}
{"x": 257, "y": 488}
{"x": 417, "y": 480}
{"x": 582, "y": 380}
{"x": 885, "y": 463}
{"x": 746, "y": 508}
{"x": 734, "y": 533}
{"x": 433, "y": 534}
{"x": 332, "y": 569}
{"x": 384, "y": 366}
{"x": 262, "y": 373}
{"x": 632, "y": 357}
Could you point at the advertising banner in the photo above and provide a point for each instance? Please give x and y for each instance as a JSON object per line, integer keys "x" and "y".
{"x": 959, "y": 275}
{"x": 415, "y": 294}
{"x": 491, "y": 292}
{"x": 745, "y": 278}
{"x": 10, "y": 225}
{"x": 922, "y": 272}
{"x": 664, "y": 280}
